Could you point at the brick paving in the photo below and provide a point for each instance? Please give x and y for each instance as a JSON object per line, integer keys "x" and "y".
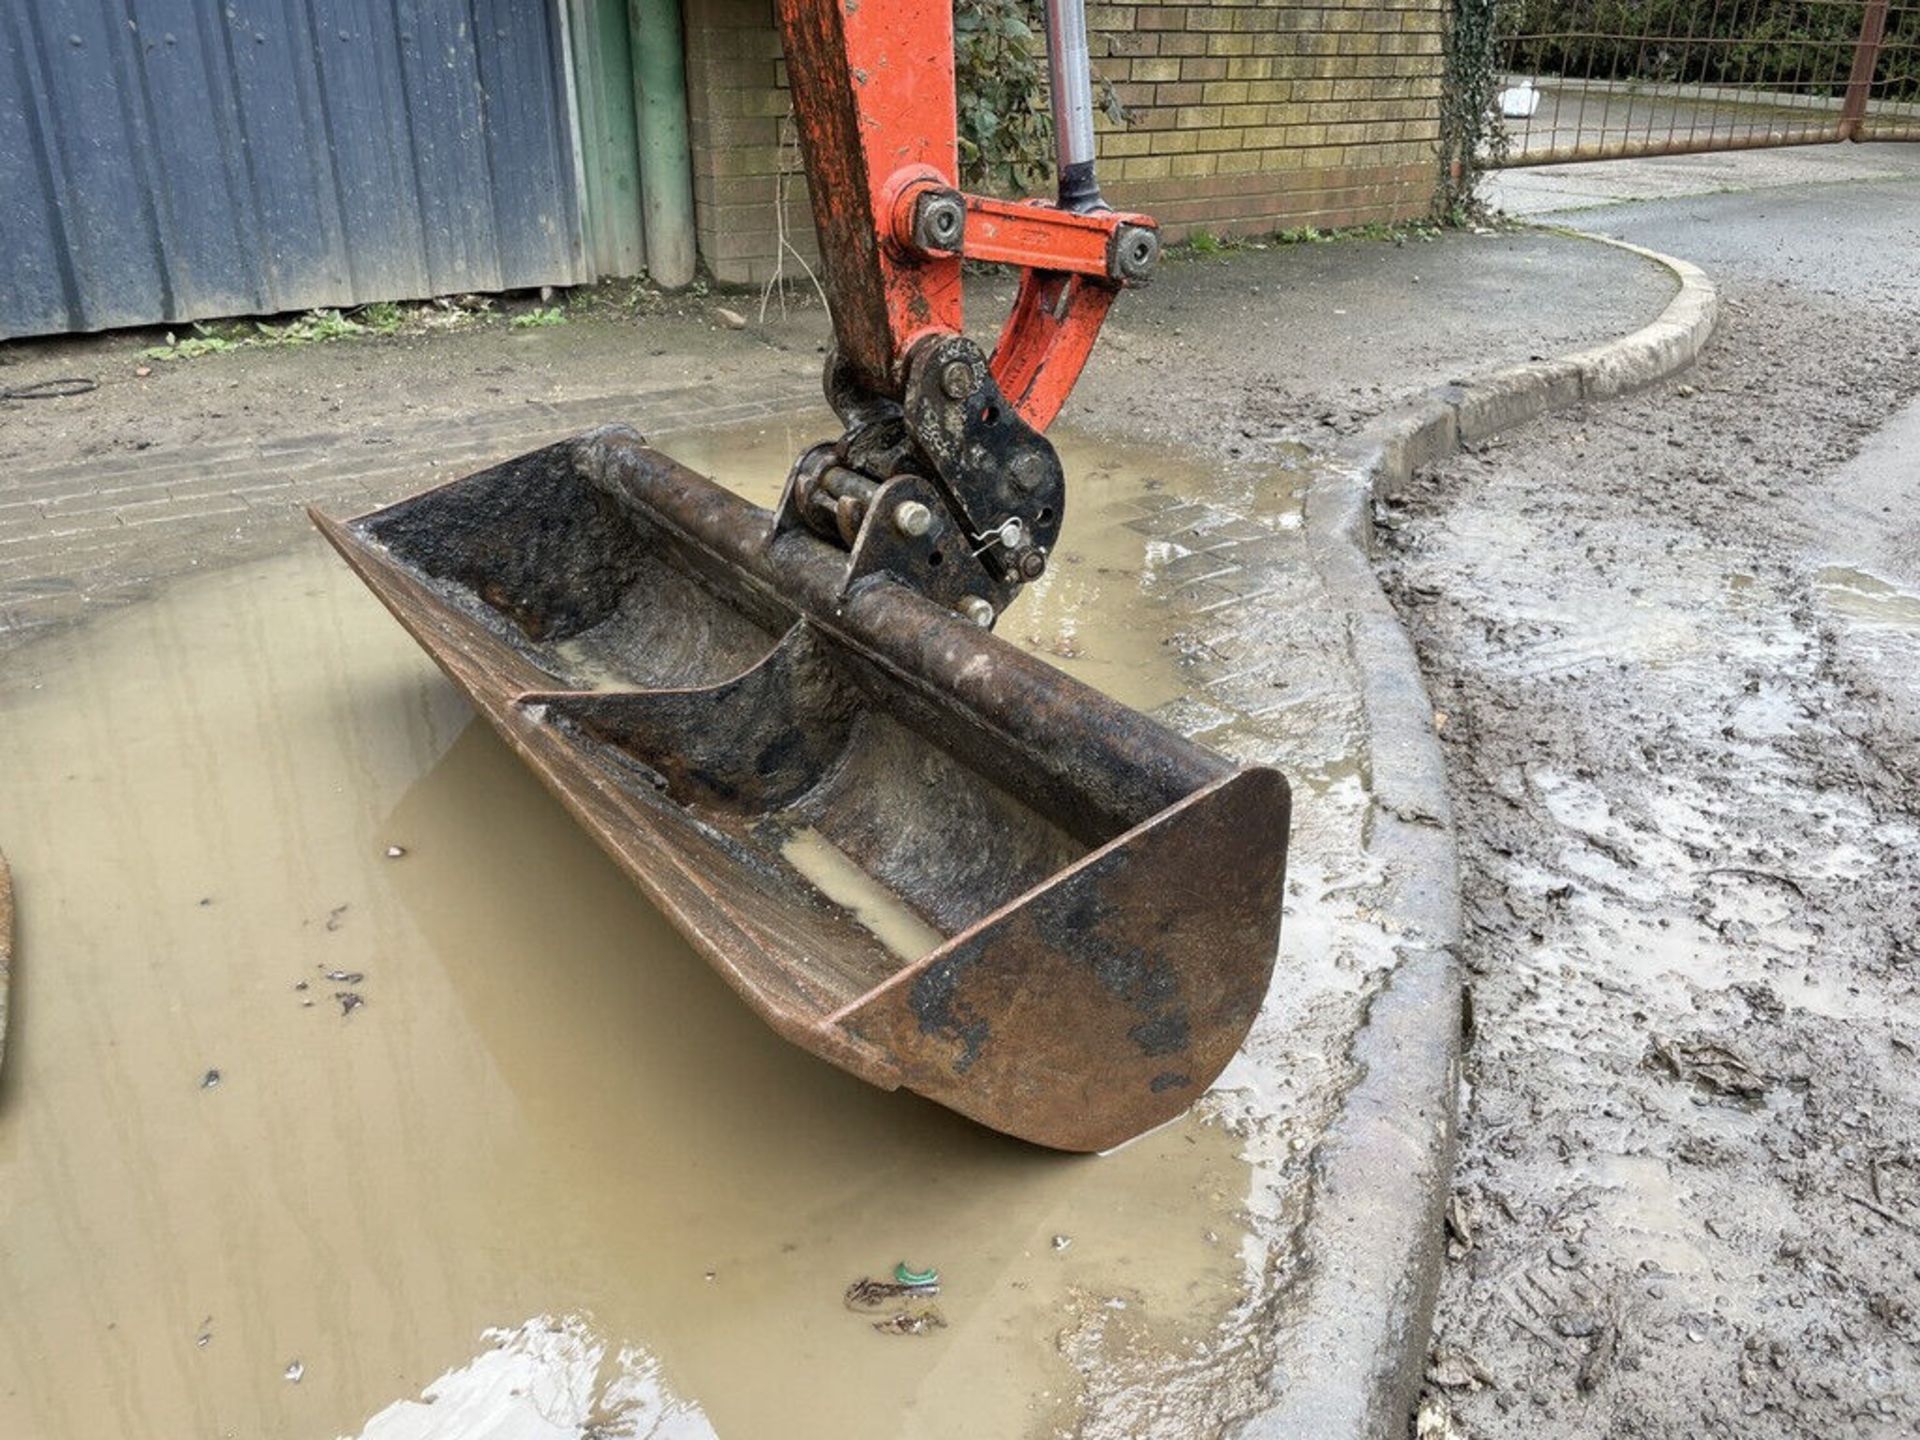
{"x": 78, "y": 536}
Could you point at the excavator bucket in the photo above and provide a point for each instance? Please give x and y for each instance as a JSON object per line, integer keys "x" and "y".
{"x": 916, "y": 851}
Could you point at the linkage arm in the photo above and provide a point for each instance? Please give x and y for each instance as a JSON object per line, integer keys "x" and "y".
{"x": 873, "y": 94}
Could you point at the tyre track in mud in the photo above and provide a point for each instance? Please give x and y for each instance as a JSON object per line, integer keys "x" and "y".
{"x": 1688, "y": 1201}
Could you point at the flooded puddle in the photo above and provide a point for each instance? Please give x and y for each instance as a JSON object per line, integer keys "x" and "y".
{"x": 1862, "y": 595}
{"x": 490, "y": 1152}
{"x": 832, "y": 872}
{"x": 1100, "y": 612}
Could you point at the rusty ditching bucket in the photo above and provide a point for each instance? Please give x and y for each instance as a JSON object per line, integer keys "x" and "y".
{"x": 913, "y": 849}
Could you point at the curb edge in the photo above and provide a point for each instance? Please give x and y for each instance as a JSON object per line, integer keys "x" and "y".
{"x": 1372, "y": 1245}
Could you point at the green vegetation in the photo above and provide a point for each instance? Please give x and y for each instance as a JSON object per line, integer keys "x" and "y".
{"x": 1472, "y": 140}
{"x": 1000, "y": 70}
{"x": 1006, "y": 136}
{"x": 1396, "y": 232}
{"x": 203, "y": 341}
{"x": 382, "y": 317}
{"x": 310, "y": 328}
{"x": 1205, "y": 243}
{"x": 315, "y": 327}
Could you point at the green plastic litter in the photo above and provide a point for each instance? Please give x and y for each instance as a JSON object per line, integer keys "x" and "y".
{"x": 906, "y": 1275}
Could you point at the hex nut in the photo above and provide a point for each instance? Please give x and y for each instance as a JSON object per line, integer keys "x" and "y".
{"x": 1029, "y": 470}
{"x": 939, "y": 222}
{"x": 1033, "y": 564}
{"x": 1136, "y": 250}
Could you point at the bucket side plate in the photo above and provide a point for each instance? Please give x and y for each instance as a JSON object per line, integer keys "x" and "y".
{"x": 1107, "y": 1002}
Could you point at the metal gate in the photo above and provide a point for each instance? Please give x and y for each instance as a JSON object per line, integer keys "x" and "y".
{"x": 165, "y": 160}
{"x": 1605, "y": 79}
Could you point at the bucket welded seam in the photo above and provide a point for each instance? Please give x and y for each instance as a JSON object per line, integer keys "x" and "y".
{"x": 1372, "y": 1246}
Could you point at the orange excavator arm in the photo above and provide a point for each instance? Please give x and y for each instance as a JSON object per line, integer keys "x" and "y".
{"x": 873, "y": 94}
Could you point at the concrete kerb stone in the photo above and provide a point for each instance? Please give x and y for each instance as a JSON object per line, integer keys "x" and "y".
{"x": 1354, "y": 1352}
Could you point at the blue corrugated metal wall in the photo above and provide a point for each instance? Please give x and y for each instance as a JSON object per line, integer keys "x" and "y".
{"x": 166, "y": 160}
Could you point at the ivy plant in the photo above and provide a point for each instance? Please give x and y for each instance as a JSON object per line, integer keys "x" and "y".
{"x": 1000, "y": 66}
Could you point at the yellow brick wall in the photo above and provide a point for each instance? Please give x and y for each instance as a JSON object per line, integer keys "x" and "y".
{"x": 1250, "y": 116}
{"x": 745, "y": 153}
{"x": 1246, "y": 117}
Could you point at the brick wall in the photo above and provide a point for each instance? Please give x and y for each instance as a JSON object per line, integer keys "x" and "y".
{"x": 1247, "y": 116}
{"x": 744, "y": 150}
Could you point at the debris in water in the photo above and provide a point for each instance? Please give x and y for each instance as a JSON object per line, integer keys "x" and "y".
{"x": 333, "y": 917}
{"x": 1061, "y": 1242}
{"x": 206, "y": 1333}
{"x": 344, "y": 977}
{"x": 1710, "y": 1064}
{"x": 867, "y": 1294}
{"x": 871, "y": 1295}
{"x": 350, "y": 1001}
{"x": 299, "y": 984}
{"x": 395, "y": 852}
{"x": 912, "y": 1322}
{"x": 205, "y": 901}
{"x": 210, "y": 1079}
{"x": 1067, "y": 647}
{"x": 294, "y": 1371}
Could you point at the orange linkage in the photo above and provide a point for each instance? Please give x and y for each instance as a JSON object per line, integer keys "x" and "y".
{"x": 873, "y": 94}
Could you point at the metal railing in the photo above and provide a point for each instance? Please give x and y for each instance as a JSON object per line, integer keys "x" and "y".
{"x": 1605, "y": 79}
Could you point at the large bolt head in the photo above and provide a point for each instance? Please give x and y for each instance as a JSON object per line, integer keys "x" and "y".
{"x": 957, "y": 379}
{"x": 912, "y": 519}
{"x": 1029, "y": 470}
{"x": 1136, "y": 250}
{"x": 1033, "y": 564}
{"x": 939, "y": 221}
{"x": 979, "y": 611}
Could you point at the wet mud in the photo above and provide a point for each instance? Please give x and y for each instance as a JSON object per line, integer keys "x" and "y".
{"x": 488, "y": 1146}
{"x": 1671, "y": 644}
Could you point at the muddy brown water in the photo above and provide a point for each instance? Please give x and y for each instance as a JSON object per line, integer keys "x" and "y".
{"x": 547, "y": 1177}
